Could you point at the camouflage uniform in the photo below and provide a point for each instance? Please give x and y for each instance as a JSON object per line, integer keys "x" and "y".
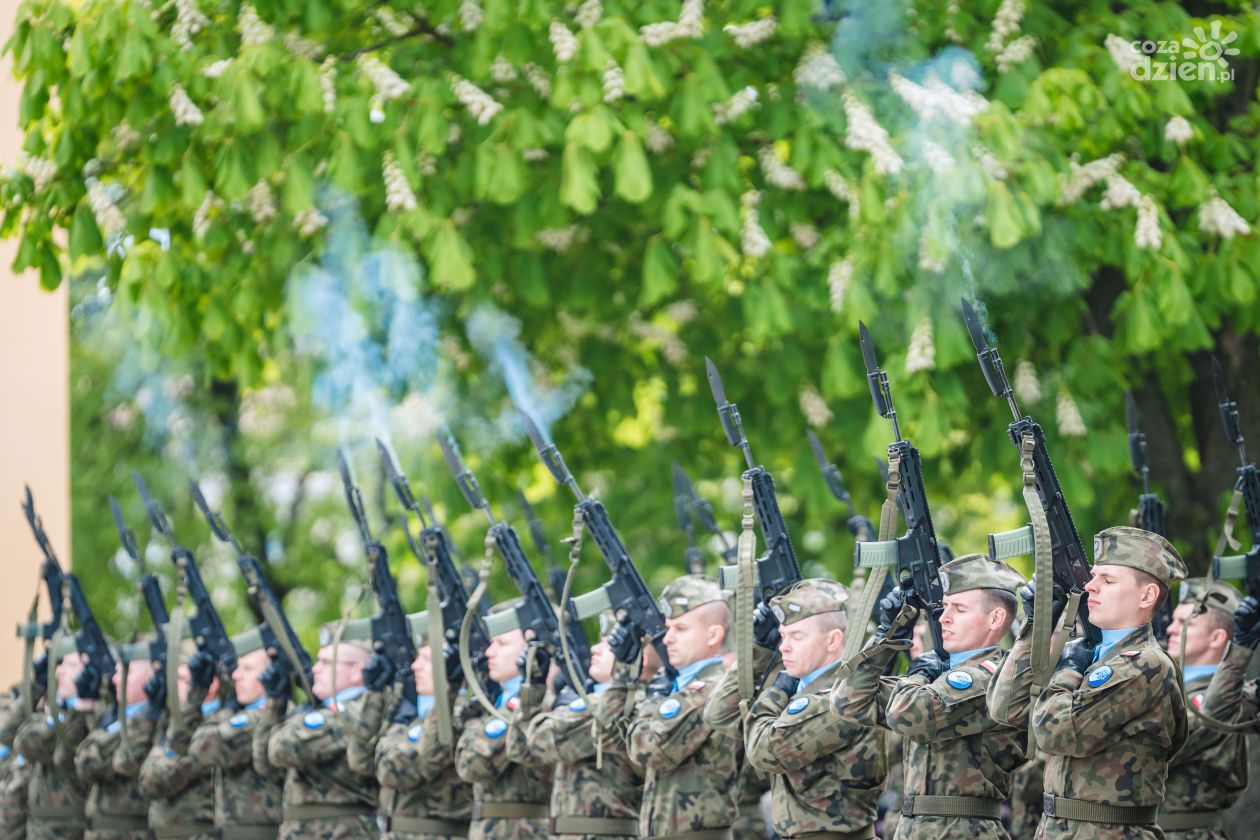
{"x": 1108, "y": 734}
{"x": 323, "y": 798}
{"x": 510, "y": 799}
{"x": 180, "y": 788}
{"x": 1025, "y": 798}
{"x": 247, "y": 803}
{"x": 55, "y": 796}
{"x": 14, "y": 772}
{"x": 590, "y": 799}
{"x": 750, "y": 823}
{"x": 116, "y": 809}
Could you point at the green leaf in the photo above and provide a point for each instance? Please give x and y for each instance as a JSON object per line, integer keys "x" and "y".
{"x": 450, "y": 258}
{"x": 192, "y": 183}
{"x": 343, "y": 164}
{"x": 231, "y": 175}
{"x": 1003, "y": 214}
{"x": 591, "y": 131}
{"x": 299, "y": 191}
{"x": 501, "y": 174}
{"x": 1187, "y": 186}
{"x": 579, "y": 180}
{"x": 85, "y": 237}
{"x": 642, "y": 80}
{"x": 158, "y": 190}
{"x": 632, "y": 175}
{"x": 659, "y": 272}
{"x": 248, "y": 111}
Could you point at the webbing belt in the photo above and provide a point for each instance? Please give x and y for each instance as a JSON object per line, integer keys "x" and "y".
{"x": 708, "y": 834}
{"x": 182, "y": 829}
{"x": 325, "y": 812}
{"x": 58, "y": 813}
{"x": 1186, "y": 820}
{"x": 510, "y": 810}
{"x": 602, "y": 826}
{"x": 118, "y": 822}
{"x": 248, "y": 832}
{"x": 1060, "y": 807}
{"x": 426, "y": 825}
{"x": 867, "y": 833}
{"x": 951, "y": 806}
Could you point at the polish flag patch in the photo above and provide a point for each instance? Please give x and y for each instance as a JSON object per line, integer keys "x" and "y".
{"x": 512, "y": 704}
{"x": 991, "y": 667}
{"x": 1198, "y": 700}
{"x": 1131, "y": 652}
{"x": 696, "y": 686}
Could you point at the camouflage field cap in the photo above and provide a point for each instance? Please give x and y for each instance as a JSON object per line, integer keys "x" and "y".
{"x": 977, "y": 571}
{"x": 809, "y": 597}
{"x": 687, "y": 593}
{"x": 1138, "y": 549}
{"x": 356, "y": 632}
{"x": 1220, "y": 596}
{"x": 247, "y": 641}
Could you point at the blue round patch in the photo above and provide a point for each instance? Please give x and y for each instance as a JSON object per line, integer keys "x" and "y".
{"x": 495, "y": 727}
{"x": 313, "y": 720}
{"x": 798, "y": 705}
{"x": 1099, "y": 675}
{"x": 170, "y": 753}
{"x": 959, "y": 679}
{"x": 670, "y": 708}
{"x": 20, "y": 761}
{"x": 578, "y": 705}
{"x": 413, "y": 734}
{"x": 238, "y": 720}
{"x": 48, "y": 721}
{"x": 115, "y": 726}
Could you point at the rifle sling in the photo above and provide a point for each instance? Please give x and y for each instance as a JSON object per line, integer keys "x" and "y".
{"x": 888, "y": 517}
{"x": 28, "y": 661}
{"x": 575, "y": 679}
{"x": 278, "y": 626}
{"x": 174, "y": 638}
{"x": 465, "y": 628}
{"x": 745, "y": 595}
{"x": 433, "y": 605}
{"x": 1231, "y": 517}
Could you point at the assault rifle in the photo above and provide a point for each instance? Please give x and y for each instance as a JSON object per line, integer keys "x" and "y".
{"x": 625, "y": 594}
{"x": 918, "y": 559}
{"x": 1242, "y": 566}
{"x": 777, "y": 569}
{"x": 693, "y": 558}
{"x": 858, "y": 525}
{"x": 535, "y": 615}
{"x": 150, "y": 589}
{"x": 1149, "y": 515}
{"x": 391, "y": 634}
{"x": 699, "y": 507}
{"x": 1071, "y": 570}
{"x": 555, "y": 574}
{"x": 278, "y": 637}
{"x": 207, "y": 628}
{"x": 50, "y": 570}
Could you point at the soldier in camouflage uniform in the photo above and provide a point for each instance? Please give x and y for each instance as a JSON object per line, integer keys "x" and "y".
{"x": 14, "y": 773}
{"x": 691, "y": 771}
{"x": 510, "y": 798}
{"x": 47, "y": 740}
{"x": 323, "y": 798}
{"x": 1111, "y": 718}
{"x": 957, "y": 761}
{"x": 1209, "y": 774}
{"x": 116, "y": 810}
{"x": 597, "y": 791}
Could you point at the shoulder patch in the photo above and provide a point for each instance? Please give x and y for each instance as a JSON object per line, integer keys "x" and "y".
{"x": 989, "y": 666}
{"x": 495, "y": 727}
{"x": 115, "y": 726}
{"x": 1198, "y": 700}
{"x": 512, "y": 704}
{"x": 239, "y": 720}
{"x": 577, "y": 705}
{"x": 413, "y": 734}
{"x": 313, "y": 720}
{"x": 670, "y": 708}
{"x": 798, "y": 705}
{"x": 1099, "y": 675}
{"x": 1134, "y": 652}
{"x": 959, "y": 679}
{"x": 48, "y": 721}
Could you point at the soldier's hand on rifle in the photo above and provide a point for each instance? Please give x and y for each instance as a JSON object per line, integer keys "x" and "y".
{"x": 928, "y": 665}
{"x": 155, "y": 693}
{"x": 88, "y": 684}
{"x": 626, "y": 642}
{"x": 1077, "y": 655}
{"x": 765, "y": 627}
{"x": 787, "y": 683}
{"x": 890, "y": 606}
{"x": 659, "y": 686}
{"x": 405, "y": 712}
{"x": 377, "y": 673}
{"x": 1247, "y": 623}
{"x": 39, "y": 671}
{"x": 534, "y": 663}
{"x": 201, "y": 667}
{"x": 1028, "y": 594}
{"x": 275, "y": 679}
{"x": 454, "y": 670}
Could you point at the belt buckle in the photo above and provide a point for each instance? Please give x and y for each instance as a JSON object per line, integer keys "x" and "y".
{"x": 907, "y": 805}
{"x": 1047, "y": 804}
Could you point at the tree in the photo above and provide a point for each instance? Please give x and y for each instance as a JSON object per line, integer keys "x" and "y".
{"x": 643, "y": 184}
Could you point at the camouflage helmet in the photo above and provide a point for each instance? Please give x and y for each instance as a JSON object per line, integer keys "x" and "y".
{"x": 977, "y": 571}
{"x": 1141, "y": 550}
{"x": 688, "y": 592}
{"x": 813, "y": 596}
{"x": 1220, "y": 596}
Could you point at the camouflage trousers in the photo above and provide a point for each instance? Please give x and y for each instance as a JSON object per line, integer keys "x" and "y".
{"x": 949, "y": 828}
{"x": 342, "y": 828}
{"x": 105, "y": 834}
{"x": 749, "y": 826}
{"x": 1197, "y": 834}
{"x": 53, "y": 830}
{"x": 509, "y": 828}
{"x": 1051, "y": 828}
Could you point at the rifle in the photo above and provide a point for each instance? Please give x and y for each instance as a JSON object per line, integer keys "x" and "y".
{"x": 150, "y": 589}
{"x": 700, "y": 508}
{"x": 918, "y": 558}
{"x": 625, "y": 594}
{"x": 555, "y": 574}
{"x": 535, "y": 614}
{"x": 278, "y": 637}
{"x": 51, "y": 568}
{"x": 1149, "y": 515}
{"x": 859, "y": 526}
{"x": 1242, "y": 566}
{"x": 207, "y": 628}
{"x": 777, "y": 569}
{"x": 1071, "y": 570}
{"x": 693, "y": 558}
{"x": 391, "y": 634}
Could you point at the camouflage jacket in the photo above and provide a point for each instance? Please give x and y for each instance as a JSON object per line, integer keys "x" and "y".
{"x": 481, "y": 758}
{"x": 691, "y": 771}
{"x": 721, "y": 711}
{"x": 565, "y": 737}
{"x": 242, "y": 795}
{"x": 55, "y": 795}
{"x": 825, "y": 773}
{"x": 1209, "y": 773}
{"x": 113, "y": 799}
{"x": 180, "y": 788}
{"x": 14, "y": 772}
{"x": 1108, "y": 735}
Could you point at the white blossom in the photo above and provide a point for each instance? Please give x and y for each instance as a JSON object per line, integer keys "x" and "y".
{"x": 1027, "y": 385}
{"x": 328, "y": 83}
{"x": 690, "y": 24}
{"x": 589, "y": 13}
{"x": 735, "y": 107}
{"x": 937, "y": 159}
{"x": 217, "y": 69}
{"x": 778, "y": 173}
{"x": 1119, "y": 193}
{"x": 262, "y": 204}
{"x": 990, "y": 164}
{"x": 814, "y": 407}
{"x": 752, "y": 237}
{"x": 936, "y": 99}
{"x": 1005, "y": 24}
{"x": 392, "y": 22}
{"x": 1015, "y": 53}
{"x": 838, "y": 277}
{"x": 806, "y": 235}
{"x": 614, "y": 82}
{"x": 1122, "y": 52}
{"x": 658, "y": 139}
{"x": 533, "y": 155}
{"x": 470, "y": 15}
{"x": 563, "y": 42}
{"x": 502, "y": 71}
{"x": 752, "y": 33}
{"x": 564, "y": 238}
{"x": 186, "y": 113}
{"x": 38, "y": 169}
{"x": 309, "y": 222}
{"x": 453, "y": 133}
{"x": 929, "y": 261}
{"x": 388, "y": 84}
{"x": 398, "y": 194}
{"x": 253, "y": 29}
{"x": 426, "y": 163}
{"x": 538, "y": 79}
{"x": 188, "y": 22}
{"x": 303, "y": 48}
{"x": 201, "y": 216}
{"x": 480, "y": 104}
{"x": 865, "y": 134}
{"x": 1068, "y": 416}
{"x": 1080, "y": 178}
{"x": 818, "y": 69}
{"x": 1216, "y": 216}
{"x": 1179, "y": 131}
{"x": 1147, "y": 234}
{"x": 922, "y": 352}
{"x": 951, "y": 13}
{"x": 108, "y": 217}
{"x": 124, "y": 135}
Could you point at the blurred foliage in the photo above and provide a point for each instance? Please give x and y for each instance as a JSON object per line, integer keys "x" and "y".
{"x": 628, "y": 210}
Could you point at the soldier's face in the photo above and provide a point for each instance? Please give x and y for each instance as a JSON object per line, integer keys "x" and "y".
{"x": 502, "y": 654}
{"x": 692, "y": 636}
{"x": 249, "y": 669}
{"x": 969, "y": 623}
{"x": 809, "y": 644}
{"x": 602, "y": 662}
{"x": 1117, "y": 599}
{"x": 350, "y": 661}
{"x": 67, "y": 671}
{"x": 138, "y": 674}
{"x": 917, "y": 643}
{"x": 1204, "y": 641}
{"x": 422, "y": 670}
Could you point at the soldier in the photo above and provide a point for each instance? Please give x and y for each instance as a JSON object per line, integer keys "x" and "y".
{"x": 14, "y": 772}
{"x": 1111, "y": 718}
{"x": 47, "y": 740}
{"x": 116, "y": 809}
{"x": 691, "y": 771}
{"x": 323, "y": 797}
{"x": 596, "y": 792}
{"x": 825, "y": 773}
{"x": 1209, "y": 774}
{"x": 510, "y": 798}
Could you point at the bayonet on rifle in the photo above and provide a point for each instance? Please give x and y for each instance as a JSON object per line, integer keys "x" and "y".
{"x": 1244, "y": 566}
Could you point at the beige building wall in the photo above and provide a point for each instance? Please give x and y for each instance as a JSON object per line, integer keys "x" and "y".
{"x": 34, "y": 407}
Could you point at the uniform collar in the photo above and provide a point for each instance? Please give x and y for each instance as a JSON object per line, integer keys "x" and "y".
{"x": 511, "y": 688}
{"x": 600, "y": 688}
{"x": 685, "y": 675}
{"x": 815, "y": 674}
{"x": 257, "y": 704}
{"x": 1111, "y": 638}
{"x": 133, "y": 709}
{"x": 1197, "y": 672}
{"x": 425, "y": 704}
{"x": 211, "y": 707}
{"x": 341, "y": 698}
{"x": 956, "y": 659}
